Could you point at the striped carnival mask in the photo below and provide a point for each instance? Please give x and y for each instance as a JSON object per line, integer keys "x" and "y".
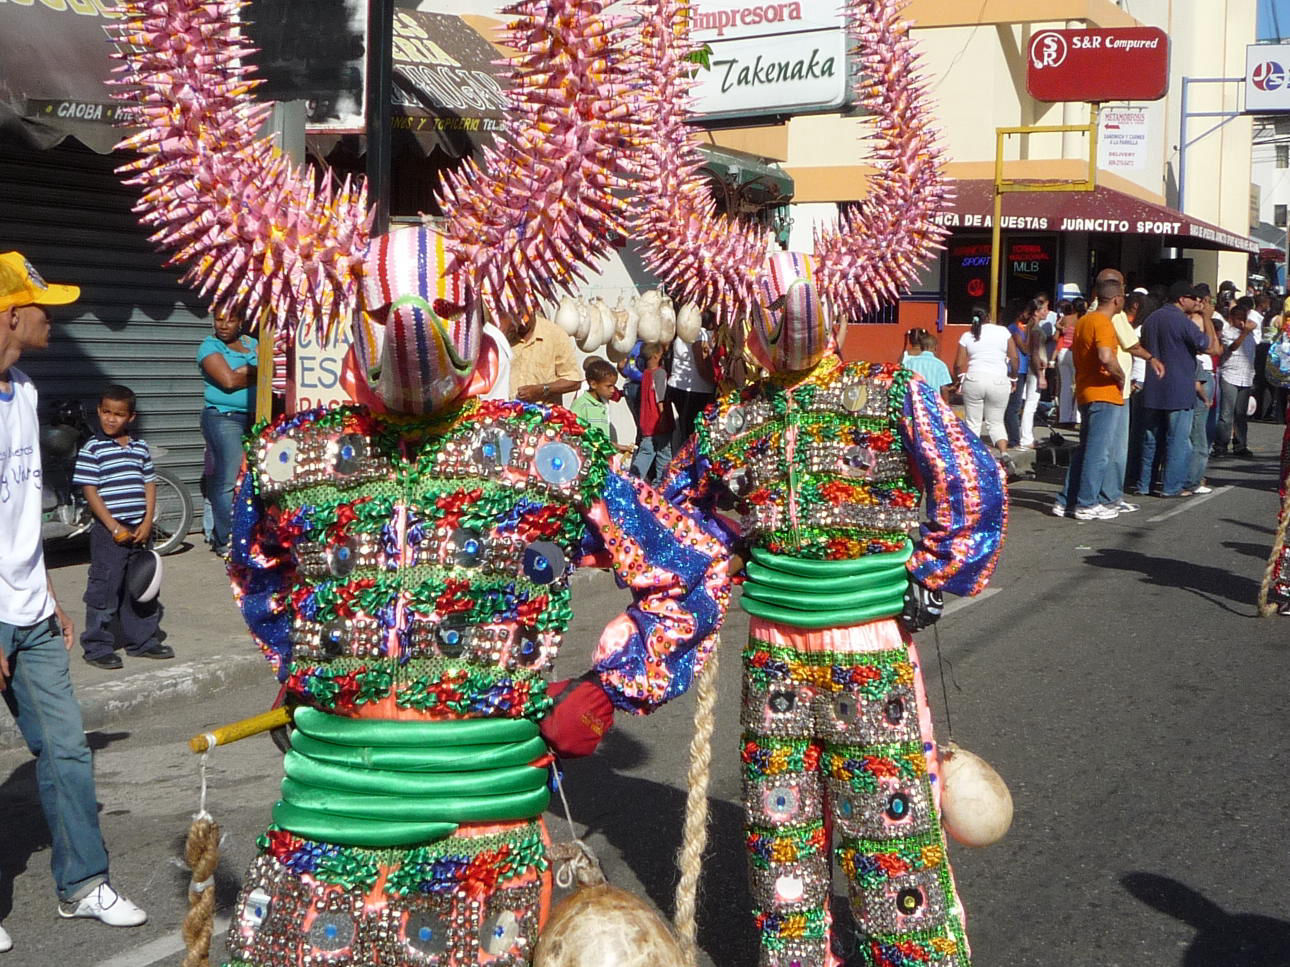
{"x": 418, "y": 340}
{"x": 788, "y": 328}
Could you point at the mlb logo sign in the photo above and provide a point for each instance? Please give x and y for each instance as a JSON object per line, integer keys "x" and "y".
{"x": 1267, "y": 79}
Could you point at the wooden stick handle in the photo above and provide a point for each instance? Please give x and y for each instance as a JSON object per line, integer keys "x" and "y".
{"x": 265, "y": 721}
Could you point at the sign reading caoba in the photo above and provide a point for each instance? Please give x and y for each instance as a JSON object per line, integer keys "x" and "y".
{"x": 770, "y": 57}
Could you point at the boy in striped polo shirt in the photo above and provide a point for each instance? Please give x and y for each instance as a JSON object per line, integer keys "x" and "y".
{"x": 116, "y": 475}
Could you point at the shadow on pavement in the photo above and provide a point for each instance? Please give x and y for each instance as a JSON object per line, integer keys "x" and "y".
{"x": 1259, "y": 552}
{"x": 1210, "y": 583}
{"x": 642, "y": 820}
{"x": 23, "y": 822}
{"x": 1229, "y": 939}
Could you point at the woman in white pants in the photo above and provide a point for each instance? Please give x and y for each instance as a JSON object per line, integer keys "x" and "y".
{"x": 1069, "y": 311}
{"x": 986, "y": 361}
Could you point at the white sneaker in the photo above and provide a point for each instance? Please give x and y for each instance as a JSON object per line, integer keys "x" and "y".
{"x": 106, "y": 905}
{"x": 1058, "y": 510}
{"x": 1124, "y": 507}
{"x": 1202, "y": 489}
{"x": 6, "y": 942}
{"x": 1096, "y": 512}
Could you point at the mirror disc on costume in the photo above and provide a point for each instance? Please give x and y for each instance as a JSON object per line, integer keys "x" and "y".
{"x": 844, "y": 707}
{"x": 494, "y": 450}
{"x": 737, "y": 482}
{"x": 736, "y": 420}
{"x": 335, "y": 636}
{"x": 451, "y": 635}
{"x": 350, "y": 451}
{"x": 858, "y": 461}
{"x": 255, "y": 908}
{"x": 894, "y": 711}
{"x": 426, "y": 934}
{"x": 499, "y": 933}
{"x": 909, "y": 901}
{"x": 280, "y": 460}
{"x": 898, "y": 806}
{"x": 470, "y": 547}
{"x": 528, "y": 649}
{"x": 854, "y": 398}
{"x": 846, "y": 808}
{"x": 781, "y": 702}
{"x": 544, "y": 562}
{"x": 343, "y": 558}
{"x": 331, "y": 931}
{"x": 557, "y": 463}
{"x": 789, "y": 889}
{"x": 782, "y": 802}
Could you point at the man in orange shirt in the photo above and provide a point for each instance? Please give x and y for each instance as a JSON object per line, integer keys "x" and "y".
{"x": 1099, "y": 383}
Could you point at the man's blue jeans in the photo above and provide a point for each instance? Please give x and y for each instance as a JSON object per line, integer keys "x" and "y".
{"x": 41, "y": 699}
{"x": 223, "y": 433}
{"x": 1170, "y": 431}
{"x": 1098, "y": 421}
{"x": 1199, "y": 461}
{"x": 1117, "y": 458}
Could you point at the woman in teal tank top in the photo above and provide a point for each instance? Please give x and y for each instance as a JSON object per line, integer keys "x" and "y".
{"x": 227, "y": 362}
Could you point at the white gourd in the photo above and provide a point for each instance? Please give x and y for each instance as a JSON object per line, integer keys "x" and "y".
{"x": 976, "y": 805}
{"x": 689, "y": 323}
{"x": 566, "y": 316}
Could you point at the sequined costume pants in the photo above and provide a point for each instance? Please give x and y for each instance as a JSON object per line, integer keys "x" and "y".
{"x": 838, "y": 760}
{"x": 1281, "y": 569}
{"x": 448, "y": 893}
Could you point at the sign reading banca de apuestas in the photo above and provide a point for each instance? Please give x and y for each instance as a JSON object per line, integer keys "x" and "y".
{"x": 770, "y": 57}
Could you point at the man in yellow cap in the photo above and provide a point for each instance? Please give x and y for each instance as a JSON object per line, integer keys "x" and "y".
{"x": 35, "y": 632}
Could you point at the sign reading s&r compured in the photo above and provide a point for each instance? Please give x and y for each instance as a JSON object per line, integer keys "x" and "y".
{"x": 1099, "y": 65}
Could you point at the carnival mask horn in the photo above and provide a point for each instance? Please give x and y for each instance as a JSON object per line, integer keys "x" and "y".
{"x": 268, "y": 242}
{"x": 418, "y": 341}
{"x": 795, "y": 304}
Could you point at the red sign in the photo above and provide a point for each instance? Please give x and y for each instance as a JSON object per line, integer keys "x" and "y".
{"x": 1106, "y": 64}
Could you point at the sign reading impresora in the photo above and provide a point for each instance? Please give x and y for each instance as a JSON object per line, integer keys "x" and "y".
{"x": 770, "y": 57}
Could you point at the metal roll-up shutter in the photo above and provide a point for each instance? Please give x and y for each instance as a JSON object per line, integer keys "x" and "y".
{"x": 67, "y": 211}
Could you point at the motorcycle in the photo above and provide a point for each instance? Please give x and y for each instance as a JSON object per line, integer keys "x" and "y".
{"x": 67, "y": 515}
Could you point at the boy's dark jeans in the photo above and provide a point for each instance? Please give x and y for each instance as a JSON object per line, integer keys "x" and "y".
{"x": 106, "y": 598}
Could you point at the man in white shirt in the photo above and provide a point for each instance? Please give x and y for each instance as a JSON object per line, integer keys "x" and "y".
{"x": 1240, "y": 337}
{"x": 35, "y": 632}
{"x": 689, "y": 384}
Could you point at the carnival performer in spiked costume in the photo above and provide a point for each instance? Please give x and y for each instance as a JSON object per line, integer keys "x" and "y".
{"x": 827, "y": 464}
{"x": 405, "y": 564}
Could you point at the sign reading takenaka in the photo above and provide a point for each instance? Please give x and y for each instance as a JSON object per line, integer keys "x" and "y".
{"x": 1104, "y": 64}
{"x": 771, "y": 57}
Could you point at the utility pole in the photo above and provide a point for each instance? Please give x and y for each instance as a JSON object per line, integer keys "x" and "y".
{"x": 380, "y": 93}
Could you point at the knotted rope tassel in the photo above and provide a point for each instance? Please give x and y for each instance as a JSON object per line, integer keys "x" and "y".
{"x": 201, "y": 854}
{"x": 695, "y": 837}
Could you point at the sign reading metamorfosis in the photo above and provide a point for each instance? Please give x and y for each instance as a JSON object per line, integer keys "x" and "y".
{"x": 771, "y": 57}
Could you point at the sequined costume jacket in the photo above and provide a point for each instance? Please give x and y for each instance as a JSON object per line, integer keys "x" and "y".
{"x": 400, "y": 568}
{"x": 833, "y": 466}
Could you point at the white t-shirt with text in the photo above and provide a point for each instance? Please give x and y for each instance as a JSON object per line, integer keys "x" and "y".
{"x": 24, "y": 590}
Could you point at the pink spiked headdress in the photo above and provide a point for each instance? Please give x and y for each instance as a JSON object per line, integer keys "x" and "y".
{"x": 263, "y": 242}
{"x": 873, "y": 252}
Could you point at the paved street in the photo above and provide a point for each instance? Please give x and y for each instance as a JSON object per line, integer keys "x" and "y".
{"x": 1115, "y": 675}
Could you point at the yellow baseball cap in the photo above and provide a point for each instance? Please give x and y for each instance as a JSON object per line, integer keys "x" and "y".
{"x": 21, "y": 285}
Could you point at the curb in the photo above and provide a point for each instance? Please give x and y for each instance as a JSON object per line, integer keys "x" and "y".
{"x": 175, "y": 685}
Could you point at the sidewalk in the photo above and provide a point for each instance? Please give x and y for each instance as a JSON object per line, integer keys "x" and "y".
{"x": 213, "y": 650}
